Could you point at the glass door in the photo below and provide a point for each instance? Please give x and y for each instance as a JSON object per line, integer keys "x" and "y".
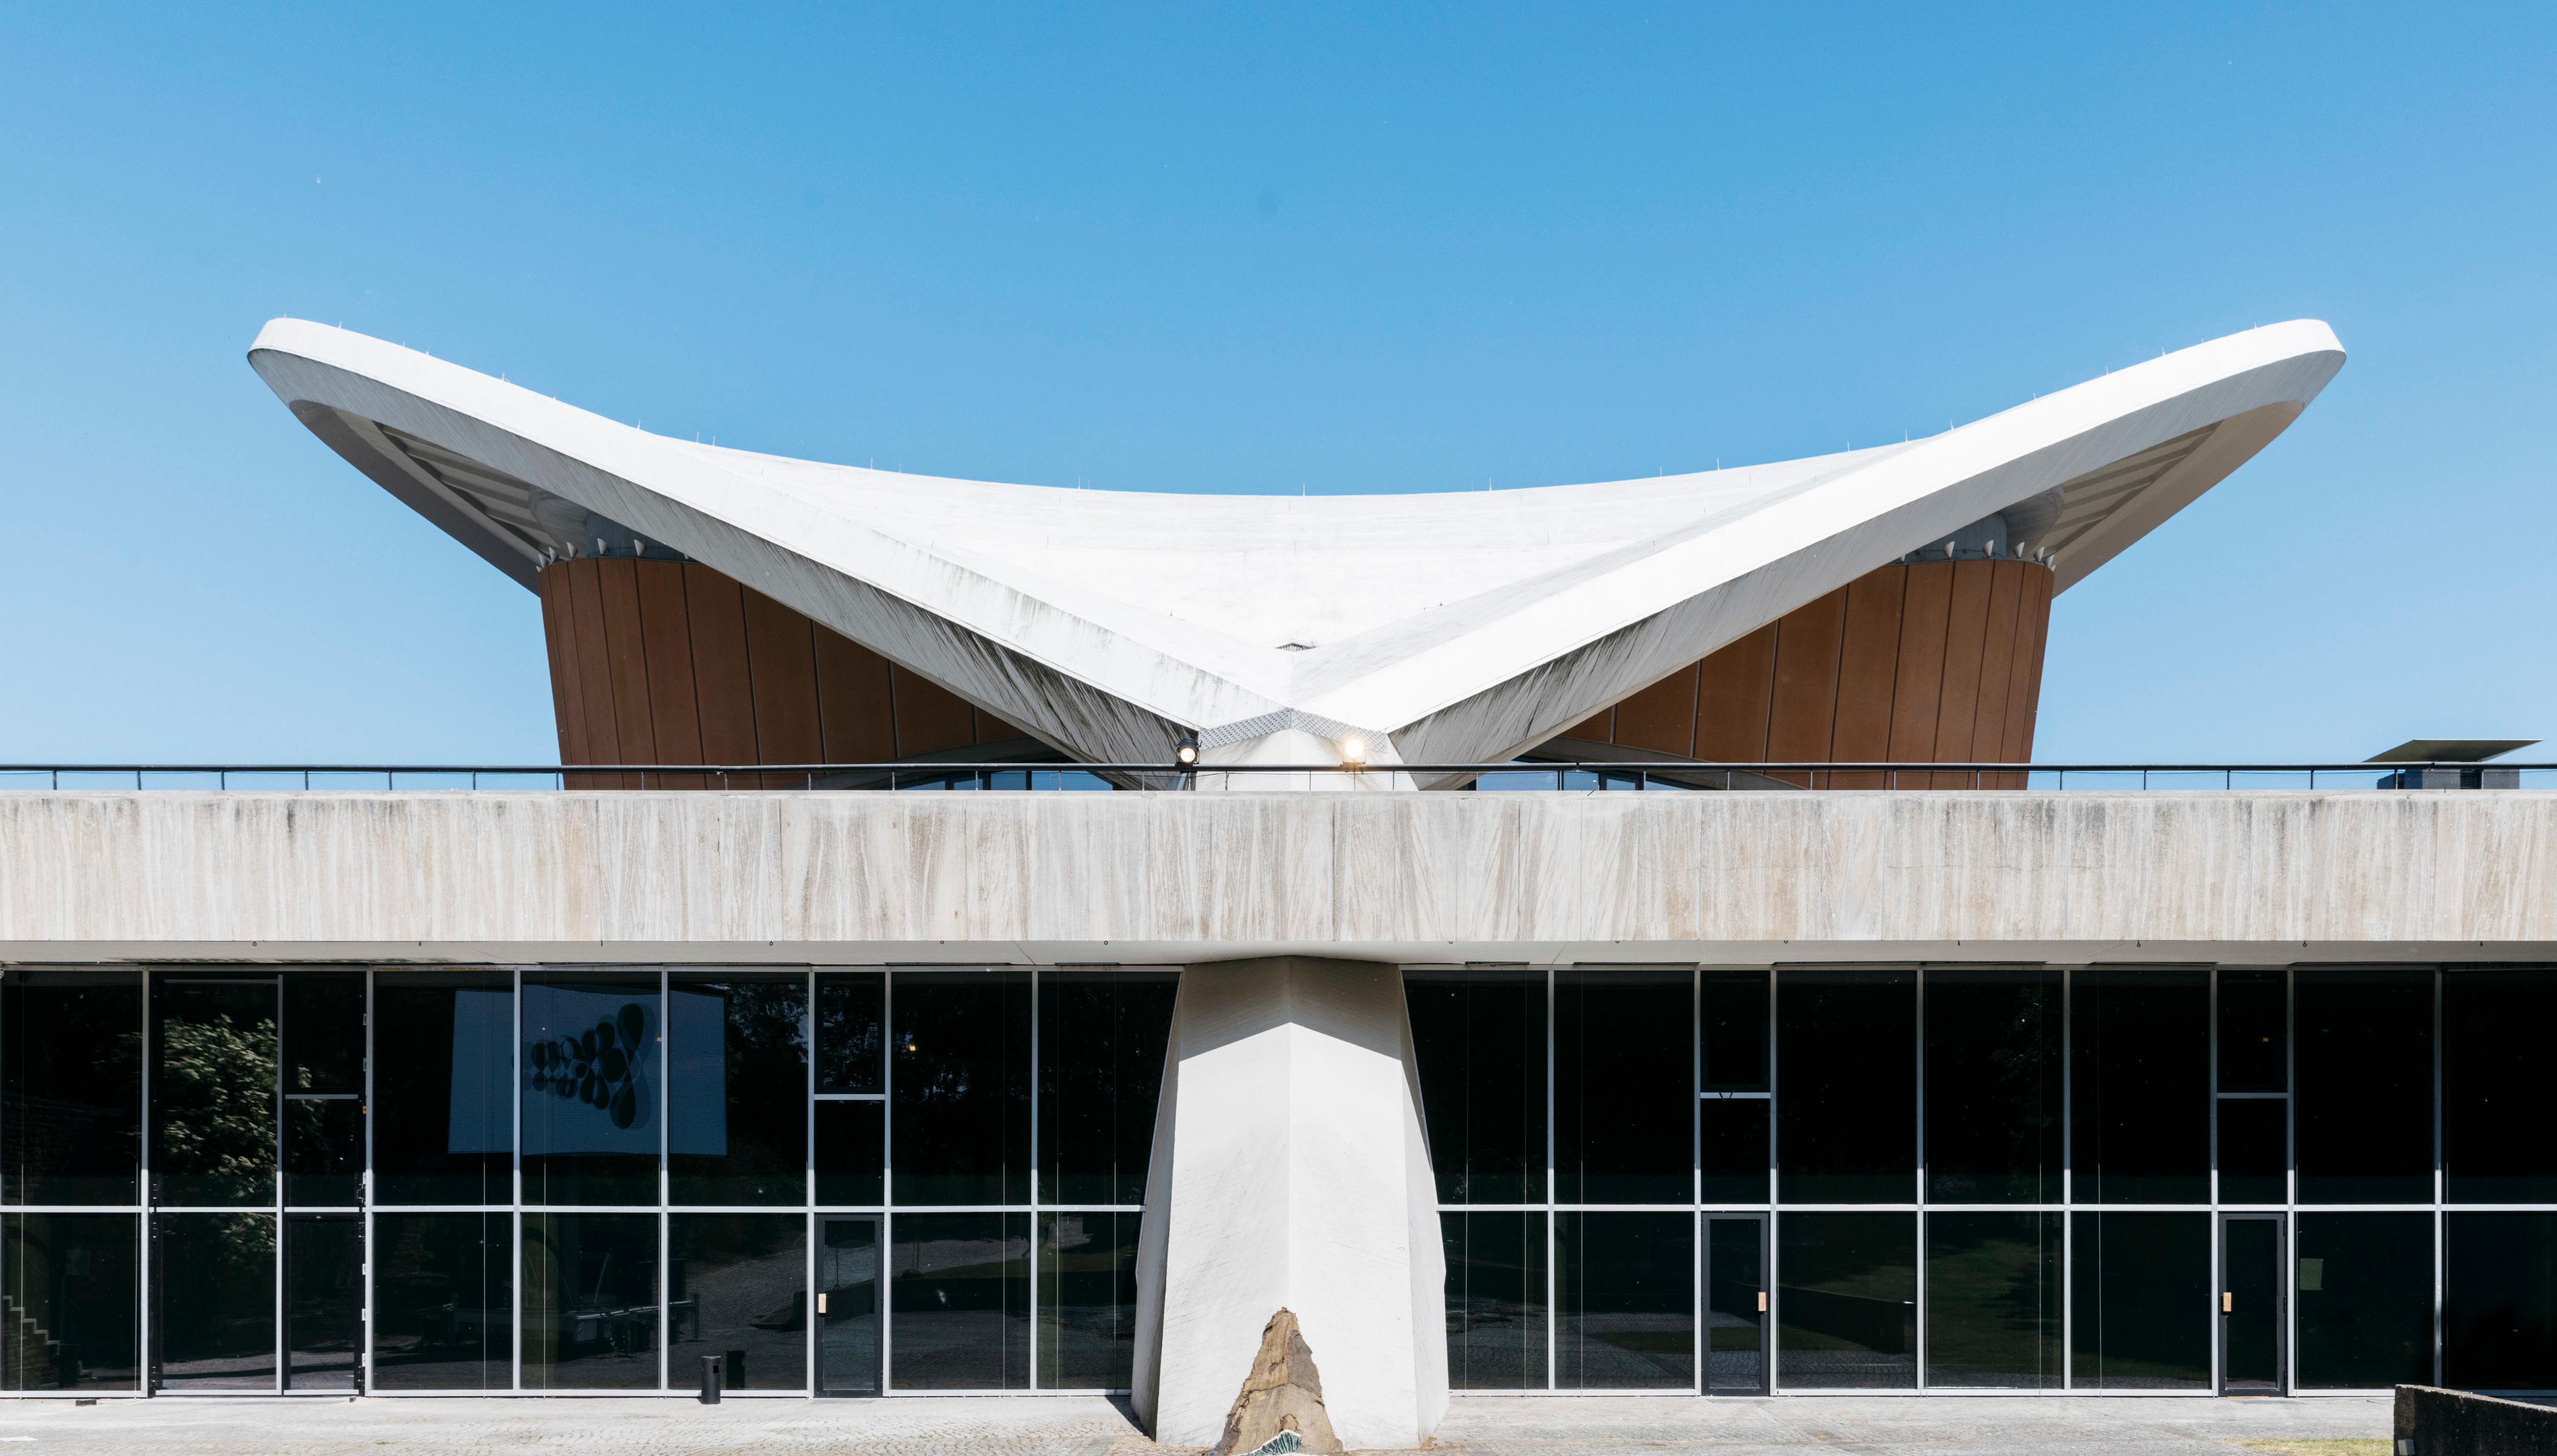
{"x": 847, "y": 1304}
{"x": 1736, "y": 1304}
{"x": 2252, "y": 1312}
{"x": 323, "y": 1302}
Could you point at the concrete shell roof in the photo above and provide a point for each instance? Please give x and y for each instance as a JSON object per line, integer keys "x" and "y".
{"x": 1442, "y": 627}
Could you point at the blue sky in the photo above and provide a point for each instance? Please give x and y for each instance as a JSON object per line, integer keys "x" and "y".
{"x": 1340, "y": 249}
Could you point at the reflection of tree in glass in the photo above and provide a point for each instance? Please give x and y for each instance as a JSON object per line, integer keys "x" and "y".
{"x": 766, "y": 1067}
{"x": 215, "y": 1087}
{"x": 848, "y": 1032}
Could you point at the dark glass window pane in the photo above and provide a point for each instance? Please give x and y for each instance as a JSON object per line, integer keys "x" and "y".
{"x": 324, "y": 1151}
{"x": 848, "y": 1312}
{"x": 1625, "y": 1299}
{"x": 1735, "y": 1306}
{"x": 851, "y": 1014}
{"x": 324, "y": 1300}
{"x": 736, "y": 1094}
{"x": 1993, "y": 1086}
{"x": 1087, "y": 1302}
{"x": 2366, "y": 1292}
{"x": 1495, "y": 1300}
{"x": 1732, "y": 1148}
{"x": 444, "y": 1104}
{"x": 2254, "y": 1051}
{"x": 851, "y": 1153}
{"x": 2500, "y": 1301}
{"x": 444, "y": 1301}
{"x": 2498, "y": 1099}
{"x": 71, "y": 1085}
{"x": 1734, "y": 1027}
{"x": 2364, "y": 1115}
{"x": 212, "y": 1096}
{"x": 736, "y": 1286}
{"x": 590, "y": 1301}
{"x": 962, "y": 1089}
{"x": 2142, "y": 1102}
{"x": 2142, "y": 1301}
{"x": 593, "y": 1043}
{"x": 324, "y": 1031}
{"x": 1994, "y": 1290}
{"x": 1848, "y": 1304}
{"x": 1479, "y": 1039}
{"x": 1101, "y": 1035}
{"x": 71, "y": 1285}
{"x": 213, "y": 1275}
{"x": 959, "y": 1291}
{"x": 1847, "y": 1115}
{"x": 2252, "y": 1150}
{"x": 1624, "y": 1087}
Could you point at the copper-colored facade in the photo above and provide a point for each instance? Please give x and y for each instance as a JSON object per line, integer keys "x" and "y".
{"x": 1929, "y": 662}
{"x": 672, "y": 662}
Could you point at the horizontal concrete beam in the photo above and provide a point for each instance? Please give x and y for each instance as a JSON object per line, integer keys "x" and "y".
{"x": 997, "y": 877}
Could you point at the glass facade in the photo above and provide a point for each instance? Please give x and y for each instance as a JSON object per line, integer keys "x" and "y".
{"x": 858, "y": 1180}
{"x": 2145, "y": 1180}
{"x": 545, "y": 1180}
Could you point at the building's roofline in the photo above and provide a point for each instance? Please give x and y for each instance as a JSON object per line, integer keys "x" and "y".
{"x": 1443, "y": 627}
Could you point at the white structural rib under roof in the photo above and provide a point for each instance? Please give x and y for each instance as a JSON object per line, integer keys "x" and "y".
{"x": 1445, "y": 628}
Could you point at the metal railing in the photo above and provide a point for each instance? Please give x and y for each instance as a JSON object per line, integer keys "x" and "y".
{"x": 1649, "y": 774}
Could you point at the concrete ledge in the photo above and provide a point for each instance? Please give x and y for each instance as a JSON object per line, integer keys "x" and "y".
{"x": 1457, "y": 876}
{"x": 2464, "y": 1423}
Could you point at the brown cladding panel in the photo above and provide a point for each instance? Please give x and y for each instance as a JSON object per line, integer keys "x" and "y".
{"x": 1966, "y": 621}
{"x": 558, "y": 628}
{"x": 1731, "y": 700}
{"x": 992, "y": 729}
{"x": 1997, "y": 661}
{"x": 674, "y": 705}
{"x": 2024, "y": 675}
{"x": 857, "y": 720}
{"x": 1869, "y": 662}
{"x": 1918, "y": 682}
{"x": 722, "y": 675}
{"x": 930, "y": 718}
{"x": 569, "y": 675}
{"x": 1661, "y": 717}
{"x": 782, "y": 645}
{"x": 1599, "y": 729}
{"x": 1802, "y": 706}
{"x": 594, "y": 670}
{"x": 618, "y": 582}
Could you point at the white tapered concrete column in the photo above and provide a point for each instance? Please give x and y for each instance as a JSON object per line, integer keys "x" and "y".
{"x": 1291, "y": 1171}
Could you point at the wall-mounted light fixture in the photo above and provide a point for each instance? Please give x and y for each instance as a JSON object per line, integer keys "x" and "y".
{"x": 1186, "y": 751}
{"x": 1353, "y": 753}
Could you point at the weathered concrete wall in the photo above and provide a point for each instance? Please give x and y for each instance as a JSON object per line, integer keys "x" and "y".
{"x": 2436, "y": 1422}
{"x": 1184, "y": 877}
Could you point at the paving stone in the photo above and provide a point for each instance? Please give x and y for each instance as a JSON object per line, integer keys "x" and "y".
{"x": 1088, "y": 1426}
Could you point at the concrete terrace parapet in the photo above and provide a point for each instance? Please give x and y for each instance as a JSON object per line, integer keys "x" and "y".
{"x": 2270, "y": 876}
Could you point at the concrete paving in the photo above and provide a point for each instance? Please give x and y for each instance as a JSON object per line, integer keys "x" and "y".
{"x": 1082, "y": 1426}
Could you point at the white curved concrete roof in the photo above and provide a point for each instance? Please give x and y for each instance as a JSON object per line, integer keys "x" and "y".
{"x": 1447, "y": 627}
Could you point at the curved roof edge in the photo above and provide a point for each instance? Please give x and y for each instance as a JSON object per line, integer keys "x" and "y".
{"x": 1445, "y": 628}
